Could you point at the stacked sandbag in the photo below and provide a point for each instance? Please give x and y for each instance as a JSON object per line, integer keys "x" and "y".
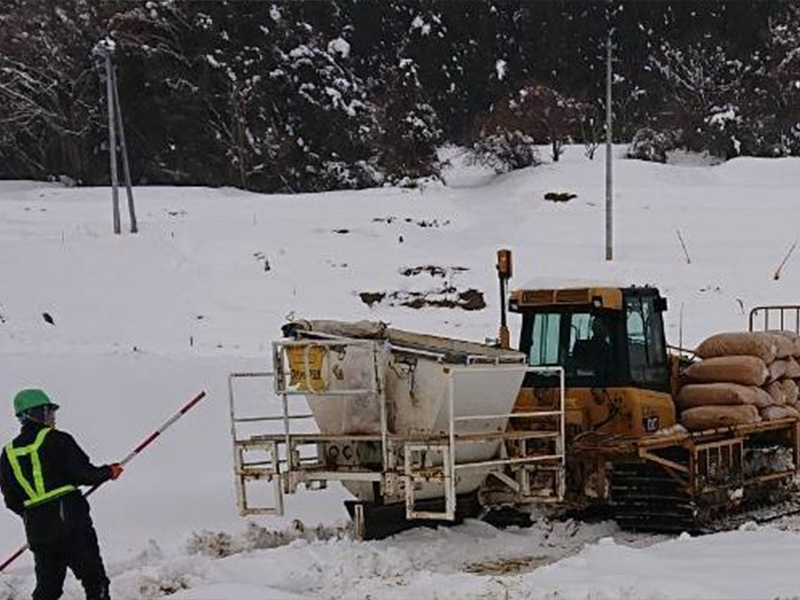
{"x": 741, "y": 378}
{"x": 789, "y": 380}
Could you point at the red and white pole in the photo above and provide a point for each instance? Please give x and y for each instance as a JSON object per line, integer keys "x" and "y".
{"x": 145, "y": 443}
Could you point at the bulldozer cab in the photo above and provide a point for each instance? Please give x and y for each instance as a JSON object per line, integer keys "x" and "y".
{"x": 602, "y": 337}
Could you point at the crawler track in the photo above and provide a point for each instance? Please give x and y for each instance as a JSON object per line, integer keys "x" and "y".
{"x": 646, "y": 498}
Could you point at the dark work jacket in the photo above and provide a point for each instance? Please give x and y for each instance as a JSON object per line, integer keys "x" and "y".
{"x": 63, "y": 463}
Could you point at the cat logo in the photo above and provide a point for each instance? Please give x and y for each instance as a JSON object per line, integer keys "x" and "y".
{"x": 651, "y": 423}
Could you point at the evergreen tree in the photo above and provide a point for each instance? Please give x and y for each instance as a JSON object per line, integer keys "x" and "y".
{"x": 301, "y": 96}
{"x": 409, "y": 127}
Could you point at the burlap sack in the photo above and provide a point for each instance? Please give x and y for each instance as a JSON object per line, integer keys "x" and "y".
{"x": 710, "y": 417}
{"x": 777, "y": 369}
{"x": 793, "y": 338}
{"x": 777, "y": 392}
{"x": 779, "y": 412}
{"x": 706, "y": 394}
{"x": 745, "y": 370}
{"x": 784, "y": 344}
{"x": 762, "y": 345}
{"x": 791, "y": 391}
{"x": 792, "y": 368}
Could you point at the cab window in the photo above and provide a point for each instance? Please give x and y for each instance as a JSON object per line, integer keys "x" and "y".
{"x": 646, "y": 350}
{"x": 544, "y": 340}
{"x": 581, "y": 342}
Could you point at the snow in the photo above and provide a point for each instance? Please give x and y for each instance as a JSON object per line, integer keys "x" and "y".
{"x": 142, "y": 323}
{"x": 419, "y": 23}
{"x": 339, "y": 46}
{"x": 500, "y": 67}
{"x": 722, "y": 116}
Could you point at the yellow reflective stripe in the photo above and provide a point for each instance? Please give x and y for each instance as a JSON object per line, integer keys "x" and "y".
{"x": 38, "y": 478}
{"x": 50, "y": 495}
{"x": 13, "y": 459}
{"x": 36, "y": 492}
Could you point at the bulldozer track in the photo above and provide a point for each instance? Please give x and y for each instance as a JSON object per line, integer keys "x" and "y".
{"x": 643, "y": 499}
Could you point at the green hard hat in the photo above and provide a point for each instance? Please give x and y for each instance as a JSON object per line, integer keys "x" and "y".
{"x": 31, "y": 398}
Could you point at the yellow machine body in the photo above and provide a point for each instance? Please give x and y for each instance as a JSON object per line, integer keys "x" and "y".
{"x": 624, "y": 411}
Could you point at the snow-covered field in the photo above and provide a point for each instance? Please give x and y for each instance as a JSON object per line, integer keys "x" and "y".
{"x": 142, "y": 323}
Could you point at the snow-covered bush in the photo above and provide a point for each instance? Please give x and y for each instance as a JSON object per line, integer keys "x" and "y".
{"x": 505, "y": 151}
{"x": 650, "y": 145}
{"x": 535, "y": 113}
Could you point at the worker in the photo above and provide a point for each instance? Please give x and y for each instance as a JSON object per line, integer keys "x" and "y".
{"x": 594, "y": 353}
{"x": 600, "y": 337}
{"x": 40, "y": 471}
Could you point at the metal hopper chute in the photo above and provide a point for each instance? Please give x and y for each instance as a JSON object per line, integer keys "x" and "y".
{"x": 401, "y": 418}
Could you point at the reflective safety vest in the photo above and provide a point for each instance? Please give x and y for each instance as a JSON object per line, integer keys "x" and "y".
{"x": 36, "y": 492}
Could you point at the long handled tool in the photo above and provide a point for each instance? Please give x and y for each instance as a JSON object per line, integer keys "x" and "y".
{"x": 149, "y": 440}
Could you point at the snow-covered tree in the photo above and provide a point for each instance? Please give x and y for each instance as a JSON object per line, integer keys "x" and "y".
{"x": 50, "y": 108}
{"x": 320, "y": 107}
{"x": 409, "y": 127}
{"x": 165, "y": 85}
{"x": 781, "y": 95}
{"x": 705, "y": 87}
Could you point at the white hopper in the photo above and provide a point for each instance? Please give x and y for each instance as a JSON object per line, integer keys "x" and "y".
{"x": 416, "y": 371}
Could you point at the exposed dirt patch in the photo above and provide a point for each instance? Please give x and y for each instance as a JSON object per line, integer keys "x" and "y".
{"x": 432, "y": 270}
{"x": 510, "y": 566}
{"x": 372, "y": 298}
{"x": 559, "y": 196}
{"x": 262, "y": 258}
{"x": 447, "y": 297}
{"x": 445, "y": 294}
{"x": 472, "y": 299}
{"x": 432, "y": 223}
{"x": 435, "y": 223}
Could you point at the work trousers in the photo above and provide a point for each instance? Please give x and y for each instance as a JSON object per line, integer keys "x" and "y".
{"x": 78, "y": 551}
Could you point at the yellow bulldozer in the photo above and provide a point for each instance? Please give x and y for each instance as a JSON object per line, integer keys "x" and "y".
{"x": 580, "y": 417}
{"x": 625, "y": 450}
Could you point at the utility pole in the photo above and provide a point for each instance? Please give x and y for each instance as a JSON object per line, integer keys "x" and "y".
{"x": 609, "y": 149}
{"x": 125, "y": 165}
{"x": 112, "y": 143}
{"x": 103, "y": 53}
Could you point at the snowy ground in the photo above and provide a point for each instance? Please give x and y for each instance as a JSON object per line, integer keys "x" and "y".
{"x": 142, "y": 323}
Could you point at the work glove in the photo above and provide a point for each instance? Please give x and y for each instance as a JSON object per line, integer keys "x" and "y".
{"x": 116, "y": 470}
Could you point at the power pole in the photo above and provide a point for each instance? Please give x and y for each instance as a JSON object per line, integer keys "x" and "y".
{"x": 102, "y": 53}
{"x": 125, "y": 165}
{"x": 609, "y": 149}
{"x": 112, "y": 143}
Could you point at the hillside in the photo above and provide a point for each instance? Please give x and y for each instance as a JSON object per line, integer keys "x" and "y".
{"x": 142, "y": 323}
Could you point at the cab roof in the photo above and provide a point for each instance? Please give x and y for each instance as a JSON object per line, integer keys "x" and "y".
{"x": 609, "y": 298}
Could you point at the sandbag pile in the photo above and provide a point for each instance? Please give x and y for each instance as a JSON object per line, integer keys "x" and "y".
{"x": 741, "y": 378}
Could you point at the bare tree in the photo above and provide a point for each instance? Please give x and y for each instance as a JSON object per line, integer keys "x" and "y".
{"x": 533, "y": 114}
{"x": 704, "y": 85}
{"x": 49, "y": 98}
